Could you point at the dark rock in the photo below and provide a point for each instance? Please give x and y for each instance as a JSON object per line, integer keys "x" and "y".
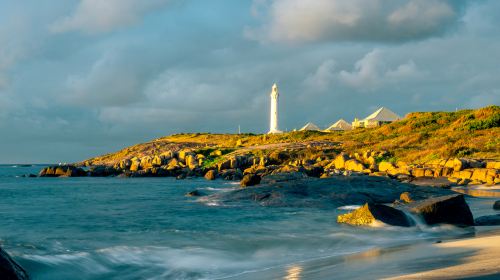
{"x": 232, "y": 174}
{"x": 9, "y": 269}
{"x": 194, "y": 193}
{"x": 330, "y": 192}
{"x": 211, "y": 175}
{"x": 491, "y": 220}
{"x": 496, "y": 205}
{"x": 103, "y": 171}
{"x": 372, "y": 212}
{"x": 282, "y": 177}
{"x": 314, "y": 171}
{"x": 449, "y": 209}
{"x": 250, "y": 180}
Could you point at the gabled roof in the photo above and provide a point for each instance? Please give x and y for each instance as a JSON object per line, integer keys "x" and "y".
{"x": 310, "y": 126}
{"x": 383, "y": 114}
{"x": 340, "y": 125}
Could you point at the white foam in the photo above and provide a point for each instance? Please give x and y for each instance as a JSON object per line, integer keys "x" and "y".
{"x": 349, "y": 207}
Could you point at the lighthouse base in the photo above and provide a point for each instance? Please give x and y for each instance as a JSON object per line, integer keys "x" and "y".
{"x": 274, "y": 131}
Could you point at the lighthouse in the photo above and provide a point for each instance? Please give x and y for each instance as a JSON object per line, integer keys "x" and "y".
{"x": 274, "y": 110}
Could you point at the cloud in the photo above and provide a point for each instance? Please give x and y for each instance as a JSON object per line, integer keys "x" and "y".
{"x": 354, "y": 20}
{"x": 369, "y": 73}
{"x": 111, "y": 81}
{"x": 323, "y": 77}
{"x": 98, "y": 16}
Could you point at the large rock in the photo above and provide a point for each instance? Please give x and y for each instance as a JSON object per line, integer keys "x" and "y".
{"x": 496, "y": 205}
{"x": 386, "y": 166}
{"x": 340, "y": 160}
{"x": 283, "y": 191}
{"x": 250, "y": 180}
{"x": 491, "y": 220}
{"x": 9, "y": 269}
{"x": 211, "y": 175}
{"x": 370, "y": 212}
{"x": 449, "y": 209}
{"x": 354, "y": 165}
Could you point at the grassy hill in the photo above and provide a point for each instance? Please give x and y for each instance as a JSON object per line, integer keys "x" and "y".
{"x": 418, "y": 138}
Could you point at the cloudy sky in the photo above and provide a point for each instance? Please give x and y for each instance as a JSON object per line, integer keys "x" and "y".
{"x": 83, "y": 77}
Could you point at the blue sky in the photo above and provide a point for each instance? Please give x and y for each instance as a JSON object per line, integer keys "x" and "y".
{"x": 84, "y": 77}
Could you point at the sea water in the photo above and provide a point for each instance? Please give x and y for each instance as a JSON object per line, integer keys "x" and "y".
{"x": 146, "y": 228}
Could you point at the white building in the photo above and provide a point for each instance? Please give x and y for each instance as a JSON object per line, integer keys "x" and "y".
{"x": 310, "y": 126}
{"x": 377, "y": 118}
{"x": 339, "y": 125}
{"x": 273, "y": 128}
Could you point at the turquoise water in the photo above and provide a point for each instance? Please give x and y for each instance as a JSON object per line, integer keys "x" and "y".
{"x": 145, "y": 228}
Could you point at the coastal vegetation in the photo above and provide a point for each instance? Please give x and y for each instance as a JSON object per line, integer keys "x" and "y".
{"x": 418, "y": 138}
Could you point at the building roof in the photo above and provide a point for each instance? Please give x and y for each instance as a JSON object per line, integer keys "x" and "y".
{"x": 340, "y": 125}
{"x": 383, "y": 114}
{"x": 310, "y": 126}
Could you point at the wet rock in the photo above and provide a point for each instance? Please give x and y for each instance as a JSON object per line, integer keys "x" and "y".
{"x": 194, "y": 193}
{"x": 231, "y": 174}
{"x": 211, "y": 175}
{"x": 250, "y": 180}
{"x": 9, "y": 269}
{"x": 496, "y": 205}
{"x": 282, "y": 191}
{"x": 406, "y": 197}
{"x": 283, "y": 177}
{"x": 491, "y": 220}
{"x": 450, "y": 209}
{"x": 371, "y": 212}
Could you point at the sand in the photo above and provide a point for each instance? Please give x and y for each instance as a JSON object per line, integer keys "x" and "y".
{"x": 481, "y": 261}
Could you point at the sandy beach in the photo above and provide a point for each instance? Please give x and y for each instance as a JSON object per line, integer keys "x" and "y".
{"x": 475, "y": 258}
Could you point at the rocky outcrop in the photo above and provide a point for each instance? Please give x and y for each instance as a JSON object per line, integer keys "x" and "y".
{"x": 371, "y": 212}
{"x": 450, "y": 209}
{"x": 62, "y": 171}
{"x": 250, "y": 180}
{"x": 330, "y": 192}
{"x": 9, "y": 269}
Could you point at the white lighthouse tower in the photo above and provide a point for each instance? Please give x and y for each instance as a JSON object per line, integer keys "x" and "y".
{"x": 274, "y": 110}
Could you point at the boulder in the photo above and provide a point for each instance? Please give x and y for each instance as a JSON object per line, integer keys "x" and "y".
{"x": 340, "y": 160}
{"x": 449, "y": 209}
{"x": 496, "y": 205}
{"x": 457, "y": 164}
{"x": 9, "y": 269}
{"x": 406, "y": 197}
{"x": 231, "y": 174}
{"x": 191, "y": 161}
{"x": 493, "y": 164}
{"x": 250, "y": 180}
{"x": 224, "y": 165}
{"x": 282, "y": 177}
{"x": 211, "y": 175}
{"x": 385, "y": 166}
{"x": 371, "y": 212}
{"x": 354, "y": 165}
{"x": 491, "y": 220}
{"x": 135, "y": 165}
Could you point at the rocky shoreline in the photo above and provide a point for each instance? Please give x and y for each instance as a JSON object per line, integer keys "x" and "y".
{"x": 317, "y": 162}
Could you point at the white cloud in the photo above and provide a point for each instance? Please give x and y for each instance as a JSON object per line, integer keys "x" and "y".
{"x": 323, "y": 77}
{"x": 97, "y": 16}
{"x": 354, "y": 20}
{"x": 369, "y": 73}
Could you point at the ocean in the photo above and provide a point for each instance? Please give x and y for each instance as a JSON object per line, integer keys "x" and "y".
{"x": 146, "y": 228}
